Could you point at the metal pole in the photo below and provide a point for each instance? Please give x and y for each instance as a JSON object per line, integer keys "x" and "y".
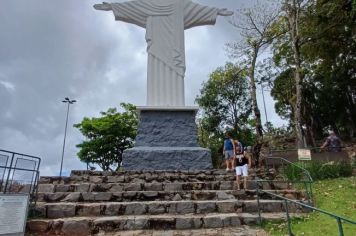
{"x": 64, "y": 141}
{"x": 288, "y": 219}
{"x": 258, "y": 203}
{"x": 341, "y": 231}
{"x": 9, "y": 172}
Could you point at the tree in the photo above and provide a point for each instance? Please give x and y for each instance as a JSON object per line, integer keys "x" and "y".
{"x": 254, "y": 25}
{"x": 108, "y": 136}
{"x": 322, "y": 40}
{"x": 225, "y": 103}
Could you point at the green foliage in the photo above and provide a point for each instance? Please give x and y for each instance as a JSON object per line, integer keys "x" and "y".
{"x": 108, "y": 136}
{"x": 225, "y": 99}
{"x": 328, "y": 57}
{"x": 318, "y": 170}
{"x": 225, "y": 102}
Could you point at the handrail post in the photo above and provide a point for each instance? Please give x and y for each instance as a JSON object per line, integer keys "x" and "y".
{"x": 9, "y": 171}
{"x": 339, "y": 223}
{"x": 288, "y": 219}
{"x": 258, "y": 203}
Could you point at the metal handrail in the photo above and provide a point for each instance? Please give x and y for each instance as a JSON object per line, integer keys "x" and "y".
{"x": 311, "y": 148}
{"x": 21, "y": 154}
{"x": 11, "y": 166}
{"x": 307, "y": 183}
{"x": 338, "y": 218}
{"x": 293, "y": 164}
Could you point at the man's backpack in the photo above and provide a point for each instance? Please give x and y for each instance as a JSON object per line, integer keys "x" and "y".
{"x": 239, "y": 148}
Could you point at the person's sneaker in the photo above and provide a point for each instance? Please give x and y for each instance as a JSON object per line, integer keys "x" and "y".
{"x": 227, "y": 169}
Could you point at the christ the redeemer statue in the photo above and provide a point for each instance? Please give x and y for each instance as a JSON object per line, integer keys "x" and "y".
{"x": 165, "y": 22}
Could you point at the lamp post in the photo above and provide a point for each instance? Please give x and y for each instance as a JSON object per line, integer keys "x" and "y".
{"x": 68, "y": 101}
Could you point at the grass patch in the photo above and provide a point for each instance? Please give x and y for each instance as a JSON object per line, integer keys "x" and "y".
{"x": 337, "y": 196}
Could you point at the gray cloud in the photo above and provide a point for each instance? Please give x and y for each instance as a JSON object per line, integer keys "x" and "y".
{"x": 53, "y": 49}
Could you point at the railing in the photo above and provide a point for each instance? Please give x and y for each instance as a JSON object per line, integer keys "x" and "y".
{"x": 339, "y": 219}
{"x": 19, "y": 173}
{"x": 306, "y": 181}
{"x": 318, "y": 154}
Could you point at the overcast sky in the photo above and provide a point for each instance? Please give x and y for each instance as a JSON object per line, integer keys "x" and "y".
{"x": 55, "y": 49}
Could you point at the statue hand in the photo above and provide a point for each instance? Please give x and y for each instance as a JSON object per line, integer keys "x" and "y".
{"x": 103, "y": 7}
{"x": 225, "y": 12}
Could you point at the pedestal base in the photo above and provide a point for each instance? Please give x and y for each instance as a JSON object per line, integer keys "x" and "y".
{"x": 167, "y": 140}
{"x": 167, "y": 158}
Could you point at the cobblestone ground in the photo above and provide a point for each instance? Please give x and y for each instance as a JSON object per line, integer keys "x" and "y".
{"x": 237, "y": 231}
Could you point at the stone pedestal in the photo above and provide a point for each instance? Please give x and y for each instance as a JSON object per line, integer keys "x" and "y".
{"x": 167, "y": 140}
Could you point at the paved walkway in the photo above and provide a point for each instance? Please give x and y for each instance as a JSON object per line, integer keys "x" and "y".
{"x": 236, "y": 231}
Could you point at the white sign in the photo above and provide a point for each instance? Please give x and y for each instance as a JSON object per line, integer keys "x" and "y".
{"x": 13, "y": 213}
{"x": 304, "y": 155}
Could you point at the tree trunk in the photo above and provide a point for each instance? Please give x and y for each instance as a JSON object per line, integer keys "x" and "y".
{"x": 259, "y": 134}
{"x": 293, "y": 15}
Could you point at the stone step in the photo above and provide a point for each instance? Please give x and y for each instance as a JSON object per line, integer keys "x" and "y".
{"x": 244, "y": 230}
{"x": 177, "y": 186}
{"x": 92, "y": 225}
{"x": 61, "y": 210}
{"x": 127, "y": 196}
{"x": 161, "y": 172}
{"x": 148, "y": 177}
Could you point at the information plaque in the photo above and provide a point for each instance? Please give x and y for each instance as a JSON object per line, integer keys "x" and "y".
{"x": 13, "y": 214}
{"x": 304, "y": 154}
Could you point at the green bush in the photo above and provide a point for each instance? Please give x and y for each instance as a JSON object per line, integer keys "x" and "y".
{"x": 318, "y": 170}
{"x": 293, "y": 173}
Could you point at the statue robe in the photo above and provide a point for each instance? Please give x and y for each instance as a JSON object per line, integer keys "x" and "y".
{"x": 165, "y": 22}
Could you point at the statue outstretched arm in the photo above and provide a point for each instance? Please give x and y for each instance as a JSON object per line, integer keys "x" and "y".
{"x": 103, "y": 7}
{"x": 225, "y": 12}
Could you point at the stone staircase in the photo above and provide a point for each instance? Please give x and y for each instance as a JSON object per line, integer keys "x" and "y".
{"x": 102, "y": 203}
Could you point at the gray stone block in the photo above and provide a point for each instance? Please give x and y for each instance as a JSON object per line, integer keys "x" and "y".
{"x": 55, "y": 196}
{"x": 76, "y": 227}
{"x": 167, "y": 158}
{"x": 231, "y": 221}
{"x": 156, "y": 208}
{"x": 206, "y": 207}
{"x": 226, "y": 207}
{"x": 112, "y": 209}
{"x": 136, "y": 224}
{"x": 173, "y": 187}
{"x": 72, "y": 197}
{"x": 89, "y": 210}
{"x": 213, "y": 222}
{"x": 153, "y": 187}
{"x": 135, "y": 209}
{"x": 150, "y": 194}
{"x": 184, "y": 223}
{"x": 96, "y": 179}
{"x": 181, "y": 208}
{"x": 167, "y": 129}
{"x": 46, "y": 188}
{"x": 102, "y": 196}
{"x": 82, "y": 188}
{"x": 88, "y": 196}
{"x": 62, "y": 188}
{"x": 61, "y": 211}
{"x": 133, "y": 187}
{"x": 116, "y": 187}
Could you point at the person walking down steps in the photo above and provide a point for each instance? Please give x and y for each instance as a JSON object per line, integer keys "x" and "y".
{"x": 242, "y": 163}
{"x": 228, "y": 152}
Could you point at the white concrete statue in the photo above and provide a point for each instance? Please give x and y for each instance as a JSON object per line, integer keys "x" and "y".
{"x": 165, "y": 22}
